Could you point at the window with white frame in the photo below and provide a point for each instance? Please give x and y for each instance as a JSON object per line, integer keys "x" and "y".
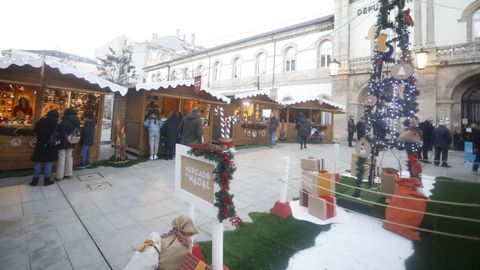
{"x": 325, "y": 54}
{"x": 476, "y": 25}
{"x": 199, "y": 70}
{"x": 186, "y": 74}
{"x": 290, "y": 59}
{"x": 236, "y": 68}
{"x": 216, "y": 71}
{"x": 173, "y": 75}
{"x": 260, "y": 64}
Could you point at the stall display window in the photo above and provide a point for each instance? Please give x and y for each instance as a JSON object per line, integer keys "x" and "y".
{"x": 16, "y": 104}
{"x": 58, "y": 99}
{"x": 249, "y": 112}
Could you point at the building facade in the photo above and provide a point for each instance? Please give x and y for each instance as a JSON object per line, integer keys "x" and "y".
{"x": 293, "y": 62}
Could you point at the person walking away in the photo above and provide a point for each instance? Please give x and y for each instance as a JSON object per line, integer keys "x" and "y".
{"x": 351, "y": 130}
{"x": 361, "y": 128}
{"x": 44, "y": 154}
{"x": 476, "y": 146}
{"x": 442, "y": 138}
{"x": 303, "y": 129}
{"x": 427, "y": 131}
{"x": 86, "y": 139}
{"x": 154, "y": 125}
{"x": 69, "y": 125}
{"x": 170, "y": 133}
{"x": 273, "y": 126}
{"x": 191, "y": 128}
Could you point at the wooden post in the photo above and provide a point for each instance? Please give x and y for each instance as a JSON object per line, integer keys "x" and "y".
{"x": 41, "y": 92}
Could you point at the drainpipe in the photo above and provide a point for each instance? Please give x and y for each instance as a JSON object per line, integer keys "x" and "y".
{"x": 274, "y": 56}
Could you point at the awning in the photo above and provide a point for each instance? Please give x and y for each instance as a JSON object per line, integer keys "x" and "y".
{"x": 316, "y": 103}
{"x": 256, "y": 95}
{"x": 169, "y": 86}
{"x": 56, "y": 75}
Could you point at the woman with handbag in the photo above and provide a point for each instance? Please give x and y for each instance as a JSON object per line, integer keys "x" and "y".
{"x": 45, "y": 152}
{"x": 68, "y": 127}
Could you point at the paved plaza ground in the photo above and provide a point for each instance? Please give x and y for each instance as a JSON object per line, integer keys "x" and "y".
{"x": 97, "y": 219}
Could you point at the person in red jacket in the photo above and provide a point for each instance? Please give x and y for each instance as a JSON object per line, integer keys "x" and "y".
{"x": 22, "y": 109}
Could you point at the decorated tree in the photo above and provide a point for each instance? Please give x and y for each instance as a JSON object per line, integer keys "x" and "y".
{"x": 117, "y": 67}
{"x": 391, "y": 105}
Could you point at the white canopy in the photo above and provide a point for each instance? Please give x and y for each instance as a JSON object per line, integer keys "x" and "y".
{"x": 315, "y": 99}
{"x": 6, "y": 62}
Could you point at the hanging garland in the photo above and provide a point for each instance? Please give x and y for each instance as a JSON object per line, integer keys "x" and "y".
{"x": 223, "y": 175}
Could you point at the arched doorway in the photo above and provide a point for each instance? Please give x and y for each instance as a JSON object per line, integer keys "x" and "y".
{"x": 471, "y": 105}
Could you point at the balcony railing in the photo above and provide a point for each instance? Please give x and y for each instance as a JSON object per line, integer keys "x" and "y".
{"x": 459, "y": 52}
{"x": 360, "y": 63}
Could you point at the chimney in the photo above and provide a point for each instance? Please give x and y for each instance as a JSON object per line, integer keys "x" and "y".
{"x": 184, "y": 37}
{"x": 178, "y": 33}
{"x": 193, "y": 40}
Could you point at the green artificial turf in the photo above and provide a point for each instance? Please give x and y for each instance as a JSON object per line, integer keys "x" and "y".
{"x": 438, "y": 252}
{"x": 266, "y": 243}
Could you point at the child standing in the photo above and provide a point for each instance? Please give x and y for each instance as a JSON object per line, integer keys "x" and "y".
{"x": 86, "y": 138}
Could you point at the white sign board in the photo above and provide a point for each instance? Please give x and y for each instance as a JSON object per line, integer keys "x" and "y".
{"x": 194, "y": 181}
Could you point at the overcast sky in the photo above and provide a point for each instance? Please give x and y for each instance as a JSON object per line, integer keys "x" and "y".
{"x": 80, "y": 26}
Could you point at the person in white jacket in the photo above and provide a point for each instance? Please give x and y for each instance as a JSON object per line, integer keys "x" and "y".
{"x": 154, "y": 126}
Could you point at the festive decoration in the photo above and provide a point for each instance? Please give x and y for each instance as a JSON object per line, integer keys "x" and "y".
{"x": 363, "y": 148}
{"x": 226, "y": 123}
{"x": 223, "y": 175}
{"x": 370, "y": 100}
{"x": 16, "y": 142}
{"x": 396, "y": 95}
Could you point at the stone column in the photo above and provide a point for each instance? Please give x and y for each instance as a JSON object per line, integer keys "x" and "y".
{"x": 430, "y": 24}
{"x": 418, "y": 24}
{"x": 339, "y": 94}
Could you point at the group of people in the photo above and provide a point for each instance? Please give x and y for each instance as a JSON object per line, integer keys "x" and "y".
{"x": 186, "y": 130}
{"x": 302, "y": 125}
{"x": 54, "y": 143}
{"x": 359, "y": 128}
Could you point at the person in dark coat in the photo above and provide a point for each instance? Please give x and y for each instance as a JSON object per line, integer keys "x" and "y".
{"x": 476, "y": 146}
{"x": 303, "y": 129}
{"x": 441, "y": 140}
{"x": 427, "y": 131}
{"x": 272, "y": 127}
{"x": 360, "y": 128}
{"x": 191, "y": 128}
{"x": 86, "y": 139}
{"x": 67, "y": 126}
{"x": 351, "y": 130}
{"x": 170, "y": 132}
{"x": 43, "y": 155}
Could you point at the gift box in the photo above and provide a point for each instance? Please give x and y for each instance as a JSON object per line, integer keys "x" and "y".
{"x": 321, "y": 207}
{"x": 309, "y": 182}
{"x": 309, "y": 164}
{"x": 304, "y": 197}
{"x": 318, "y": 183}
{"x": 353, "y": 168}
{"x": 191, "y": 262}
{"x": 387, "y": 181}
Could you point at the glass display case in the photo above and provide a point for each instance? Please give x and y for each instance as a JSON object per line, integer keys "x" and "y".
{"x": 57, "y": 99}
{"x": 16, "y": 104}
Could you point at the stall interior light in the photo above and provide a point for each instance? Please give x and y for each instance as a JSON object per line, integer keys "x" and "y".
{"x": 334, "y": 66}
{"x": 422, "y": 57}
{"x": 246, "y": 103}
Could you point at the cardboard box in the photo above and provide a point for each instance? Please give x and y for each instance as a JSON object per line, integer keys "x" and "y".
{"x": 304, "y": 198}
{"x": 387, "y": 182}
{"x": 308, "y": 164}
{"x": 321, "y": 207}
{"x": 318, "y": 184}
{"x": 309, "y": 182}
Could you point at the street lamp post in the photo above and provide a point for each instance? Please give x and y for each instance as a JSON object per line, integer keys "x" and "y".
{"x": 422, "y": 57}
{"x": 334, "y": 66}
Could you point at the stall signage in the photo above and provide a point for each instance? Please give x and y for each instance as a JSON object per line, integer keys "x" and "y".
{"x": 197, "y": 84}
{"x": 370, "y": 8}
{"x": 197, "y": 178}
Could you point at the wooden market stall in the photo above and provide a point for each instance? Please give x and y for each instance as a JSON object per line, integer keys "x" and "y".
{"x": 166, "y": 97}
{"x": 319, "y": 112}
{"x": 40, "y": 86}
{"x": 251, "y": 111}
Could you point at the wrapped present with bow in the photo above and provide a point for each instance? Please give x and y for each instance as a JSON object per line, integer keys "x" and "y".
{"x": 322, "y": 207}
{"x": 146, "y": 256}
{"x": 190, "y": 262}
{"x": 320, "y": 182}
{"x": 176, "y": 243}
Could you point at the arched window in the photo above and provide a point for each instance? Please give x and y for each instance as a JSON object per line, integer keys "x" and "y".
{"x": 236, "y": 68}
{"x": 216, "y": 71}
{"x": 199, "y": 70}
{"x": 173, "y": 75}
{"x": 325, "y": 54}
{"x": 159, "y": 76}
{"x": 290, "y": 59}
{"x": 152, "y": 77}
{"x": 260, "y": 64}
{"x": 476, "y": 24}
{"x": 186, "y": 74}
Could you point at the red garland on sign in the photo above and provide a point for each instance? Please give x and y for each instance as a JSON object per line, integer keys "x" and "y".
{"x": 223, "y": 174}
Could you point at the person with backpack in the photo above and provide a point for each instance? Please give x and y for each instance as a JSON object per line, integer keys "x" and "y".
{"x": 69, "y": 129}
{"x": 86, "y": 138}
{"x": 45, "y": 152}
